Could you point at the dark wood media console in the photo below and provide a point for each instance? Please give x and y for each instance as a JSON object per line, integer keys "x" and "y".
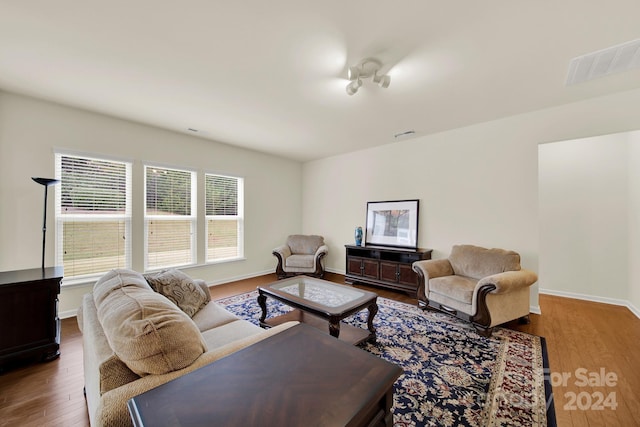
{"x": 384, "y": 266}
{"x": 29, "y": 315}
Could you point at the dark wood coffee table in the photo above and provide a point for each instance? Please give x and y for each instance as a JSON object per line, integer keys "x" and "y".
{"x": 316, "y": 302}
{"x": 299, "y": 377}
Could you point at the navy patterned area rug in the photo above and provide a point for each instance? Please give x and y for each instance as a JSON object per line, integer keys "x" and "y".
{"x": 452, "y": 376}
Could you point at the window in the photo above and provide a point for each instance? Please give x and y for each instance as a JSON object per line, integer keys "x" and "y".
{"x": 224, "y": 206}
{"x": 170, "y": 217}
{"x": 93, "y": 215}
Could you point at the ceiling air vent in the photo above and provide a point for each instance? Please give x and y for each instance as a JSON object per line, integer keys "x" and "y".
{"x": 615, "y": 59}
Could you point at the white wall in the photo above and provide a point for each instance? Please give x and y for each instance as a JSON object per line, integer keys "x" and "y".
{"x": 584, "y": 212}
{"x": 634, "y": 219}
{"x": 31, "y": 129}
{"x": 477, "y": 184}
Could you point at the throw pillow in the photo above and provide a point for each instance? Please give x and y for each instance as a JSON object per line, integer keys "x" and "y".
{"x": 179, "y": 289}
{"x": 145, "y": 330}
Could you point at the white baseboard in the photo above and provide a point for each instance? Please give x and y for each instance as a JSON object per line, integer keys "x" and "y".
{"x": 242, "y": 277}
{"x": 593, "y": 298}
{"x": 67, "y": 314}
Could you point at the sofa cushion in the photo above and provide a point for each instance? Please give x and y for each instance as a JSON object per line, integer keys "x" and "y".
{"x": 476, "y": 262}
{"x": 213, "y": 315}
{"x": 302, "y": 244}
{"x": 181, "y": 290}
{"x": 115, "y": 279}
{"x": 229, "y": 332}
{"x": 144, "y": 329}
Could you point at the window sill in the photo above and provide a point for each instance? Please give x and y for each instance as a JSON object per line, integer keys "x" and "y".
{"x": 69, "y": 283}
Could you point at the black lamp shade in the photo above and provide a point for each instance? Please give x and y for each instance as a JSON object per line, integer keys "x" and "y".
{"x": 45, "y": 181}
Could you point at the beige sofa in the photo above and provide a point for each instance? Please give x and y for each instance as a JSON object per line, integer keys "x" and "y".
{"x": 484, "y": 286}
{"x": 135, "y": 338}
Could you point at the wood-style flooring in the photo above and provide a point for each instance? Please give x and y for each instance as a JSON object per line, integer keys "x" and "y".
{"x": 594, "y": 347}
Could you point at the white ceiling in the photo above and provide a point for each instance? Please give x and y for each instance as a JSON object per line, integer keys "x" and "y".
{"x": 271, "y": 75}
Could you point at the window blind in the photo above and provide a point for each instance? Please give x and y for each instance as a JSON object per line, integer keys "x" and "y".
{"x": 93, "y": 215}
{"x": 224, "y": 220}
{"x": 170, "y": 220}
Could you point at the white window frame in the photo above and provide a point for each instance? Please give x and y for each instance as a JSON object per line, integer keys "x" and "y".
{"x": 239, "y": 218}
{"x": 62, "y": 218}
{"x": 192, "y": 218}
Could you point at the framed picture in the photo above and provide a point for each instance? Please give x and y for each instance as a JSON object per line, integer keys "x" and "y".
{"x": 393, "y": 223}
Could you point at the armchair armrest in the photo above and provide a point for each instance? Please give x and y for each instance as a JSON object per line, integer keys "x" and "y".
{"x": 432, "y": 268}
{"x": 317, "y": 259}
{"x": 284, "y": 251}
{"x": 322, "y": 251}
{"x": 281, "y": 253}
{"x": 509, "y": 281}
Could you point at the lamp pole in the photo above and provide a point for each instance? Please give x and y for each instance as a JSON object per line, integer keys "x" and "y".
{"x": 46, "y": 182}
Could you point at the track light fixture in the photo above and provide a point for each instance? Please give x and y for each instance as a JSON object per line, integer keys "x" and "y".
{"x": 366, "y": 68}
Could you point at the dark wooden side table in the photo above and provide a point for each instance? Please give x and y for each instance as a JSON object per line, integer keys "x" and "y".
{"x": 29, "y": 323}
{"x": 299, "y": 377}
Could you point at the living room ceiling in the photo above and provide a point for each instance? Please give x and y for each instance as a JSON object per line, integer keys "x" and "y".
{"x": 271, "y": 76}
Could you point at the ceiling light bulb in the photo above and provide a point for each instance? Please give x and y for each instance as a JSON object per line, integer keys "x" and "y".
{"x": 353, "y": 87}
{"x": 384, "y": 81}
{"x": 353, "y": 73}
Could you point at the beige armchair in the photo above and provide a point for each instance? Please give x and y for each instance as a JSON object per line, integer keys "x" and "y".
{"x": 301, "y": 255}
{"x": 484, "y": 286}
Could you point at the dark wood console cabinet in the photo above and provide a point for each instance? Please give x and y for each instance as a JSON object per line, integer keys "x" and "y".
{"x": 384, "y": 266}
{"x": 29, "y": 323}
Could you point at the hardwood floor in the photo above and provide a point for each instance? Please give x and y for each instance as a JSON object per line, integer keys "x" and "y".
{"x": 602, "y": 340}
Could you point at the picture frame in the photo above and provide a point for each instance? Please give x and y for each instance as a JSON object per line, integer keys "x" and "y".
{"x": 393, "y": 223}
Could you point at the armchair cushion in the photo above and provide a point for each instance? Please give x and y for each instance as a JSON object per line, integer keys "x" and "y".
{"x": 459, "y": 288}
{"x": 304, "y": 245}
{"x": 304, "y": 261}
{"x": 476, "y": 262}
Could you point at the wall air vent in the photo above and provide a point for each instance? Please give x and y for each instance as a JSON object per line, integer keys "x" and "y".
{"x": 405, "y": 134}
{"x": 615, "y": 59}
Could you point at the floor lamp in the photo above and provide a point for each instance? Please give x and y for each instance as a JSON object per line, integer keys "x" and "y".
{"x": 46, "y": 182}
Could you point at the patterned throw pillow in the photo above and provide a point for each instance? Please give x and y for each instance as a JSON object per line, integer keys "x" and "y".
{"x": 179, "y": 289}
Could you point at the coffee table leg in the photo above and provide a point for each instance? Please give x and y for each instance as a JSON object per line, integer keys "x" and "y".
{"x": 262, "y": 302}
{"x": 334, "y": 327}
{"x": 373, "y": 310}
